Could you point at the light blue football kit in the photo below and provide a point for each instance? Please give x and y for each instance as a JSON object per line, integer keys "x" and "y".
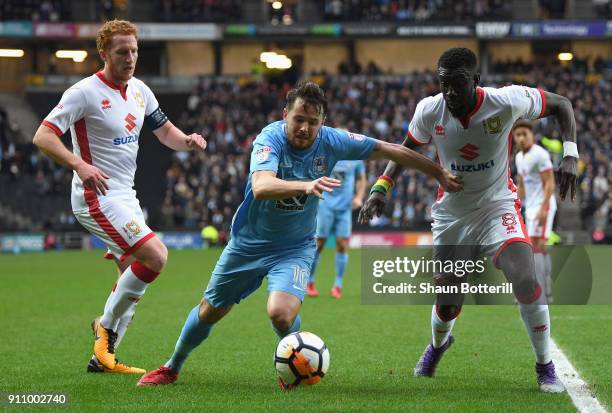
{"x": 336, "y": 210}
{"x": 276, "y": 238}
{"x": 336, "y": 213}
{"x": 272, "y": 238}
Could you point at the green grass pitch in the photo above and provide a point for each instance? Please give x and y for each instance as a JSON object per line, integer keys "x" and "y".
{"x": 48, "y": 301}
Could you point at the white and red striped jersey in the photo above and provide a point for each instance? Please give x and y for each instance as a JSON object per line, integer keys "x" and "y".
{"x": 105, "y": 121}
{"x": 530, "y": 166}
{"x": 476, "y": 147}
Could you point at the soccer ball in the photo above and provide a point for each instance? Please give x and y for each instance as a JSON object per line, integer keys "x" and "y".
{"x": 301, "y": 358}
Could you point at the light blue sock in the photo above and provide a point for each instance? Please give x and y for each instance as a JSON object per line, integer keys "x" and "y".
{"x": 341, "y": 261}
{"x": 315, "y": 262}
{"x": 193, "y": 333}
{"x": 297, "y": 323}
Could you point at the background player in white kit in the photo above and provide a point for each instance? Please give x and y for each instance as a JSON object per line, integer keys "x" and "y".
{"x": 471, "y": 128}
{"x": 105, "y": 113}
{"x": 536, "y": 187}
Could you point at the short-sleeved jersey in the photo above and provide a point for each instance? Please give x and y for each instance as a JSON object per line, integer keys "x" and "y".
{"x": 530, "y": 166}
{"x": 476, "y": 147}
{"x": 290, "y": 223}
{"x": 342, "y": 198}
{"x": 105, "y": 120}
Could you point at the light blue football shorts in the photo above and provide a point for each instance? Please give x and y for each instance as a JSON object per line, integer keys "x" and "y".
{"x": 337, "y": 222}
{"x": 239, "y": 273}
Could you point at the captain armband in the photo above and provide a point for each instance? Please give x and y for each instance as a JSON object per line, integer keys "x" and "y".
{"x": 156, "y": 119}
{"x": 383, "y": 184}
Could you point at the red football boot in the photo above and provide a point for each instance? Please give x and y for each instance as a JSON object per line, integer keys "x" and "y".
{"x": 158, "y": 377}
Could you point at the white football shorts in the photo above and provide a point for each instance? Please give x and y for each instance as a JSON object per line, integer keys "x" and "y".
{"x": 491, "y": 228}
{"x": 534, "y": 229}
{"x": 118, "y": 222}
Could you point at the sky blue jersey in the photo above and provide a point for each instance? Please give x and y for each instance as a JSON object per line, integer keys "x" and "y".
{"x": 290, "y": 223}
{"x": 342, "y": 198}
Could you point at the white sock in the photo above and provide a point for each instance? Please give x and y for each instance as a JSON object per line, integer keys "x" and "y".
{"x": 548, "y": 272}
{"x": 130, "y": 288}
{"x": 537, "y": 322}
{"x": 124, "y": 323}
{"x": 540, "y": 269}
{"x": 440, "y": 330}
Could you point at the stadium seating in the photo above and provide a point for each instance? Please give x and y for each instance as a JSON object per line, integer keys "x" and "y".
{"x": 207, "y": 188}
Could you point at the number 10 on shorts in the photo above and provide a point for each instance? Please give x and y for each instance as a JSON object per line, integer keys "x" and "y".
{"x": 300, "y": 276}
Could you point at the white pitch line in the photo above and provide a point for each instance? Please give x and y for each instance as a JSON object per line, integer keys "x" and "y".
{"x": 577, "y": 388}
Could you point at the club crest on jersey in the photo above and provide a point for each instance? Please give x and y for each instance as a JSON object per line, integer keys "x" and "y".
{"x": 132, "y": 229}
{"x": 262, "y": 154}
{"x": 106, "y": 104}
{"x": 130, "y": 124}
{"x": 139, "y": 100}
{"x": 439, "y": 130}
{"x": 319, "y": 165}
{"x": 493, "y": 125}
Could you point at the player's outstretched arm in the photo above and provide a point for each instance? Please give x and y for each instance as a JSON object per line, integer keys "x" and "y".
{"x": 567, "y": 174}
{"x": 48, "y": 142}
{"x": 174, "y": 138}
{"x": 407, "y": 158}
{"x": 266, "y": 186}
{"x": 411, "y": 159}
{"x": 375, "y": 203}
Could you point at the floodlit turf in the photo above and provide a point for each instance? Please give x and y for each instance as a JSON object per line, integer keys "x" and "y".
{"x": 48, "y": 300}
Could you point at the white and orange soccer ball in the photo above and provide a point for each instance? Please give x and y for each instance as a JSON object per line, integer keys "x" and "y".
{"x": 301, "y": 358}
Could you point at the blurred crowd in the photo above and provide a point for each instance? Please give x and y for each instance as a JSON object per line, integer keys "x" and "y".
{"x": 222, "y": 11}
{"x": 27, "y": 180}
{"x": 35, "y": 10}
{"x": 206, "y": 188}
{"x": 415, "y": 10}
{"x": 198, "y": 11}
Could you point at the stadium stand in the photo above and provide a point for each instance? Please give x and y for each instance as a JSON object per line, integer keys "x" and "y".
{"x": 217, "y": 11}
{"x": 379, "y": 106}
{"x": 414, "y": 10}
{"x": 206, "y": 188}
{"x": 35, "y": 10}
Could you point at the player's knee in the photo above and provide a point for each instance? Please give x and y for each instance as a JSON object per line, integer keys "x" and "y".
{"x": 527, "y": 291}
{"x": 342, "y": 245}
{"x": 282, "y": 318}
{"x": 158, "y": 259}
{"x": 448, "y": 312}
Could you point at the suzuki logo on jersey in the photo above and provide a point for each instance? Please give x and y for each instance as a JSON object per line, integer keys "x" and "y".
{"x": 124, "y": 140}
{"x": 472, "y": 168}
{"x": 439, "y": 130}
{"x": 130, "y": 122}
{"x": 469, "y": 152}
